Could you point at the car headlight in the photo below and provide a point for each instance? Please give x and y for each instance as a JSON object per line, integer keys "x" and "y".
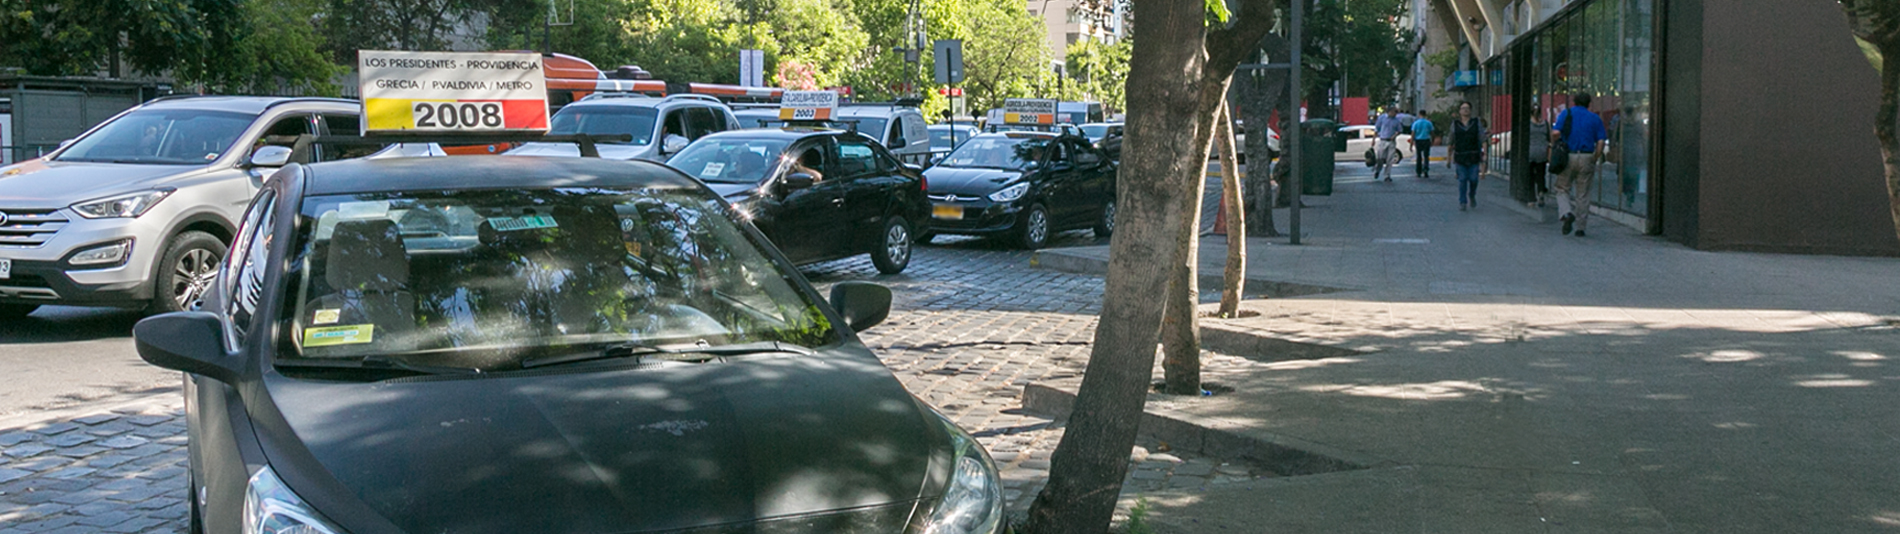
{"x": 123, "y": 206}
{"x": 972, "y": 503}
{"x": 1011, "y": 193}
{"x": 270, "y": 508}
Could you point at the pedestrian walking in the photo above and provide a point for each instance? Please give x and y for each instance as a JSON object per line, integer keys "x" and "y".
{"x": 1467, "y": 154}
{"x": 1539, "y": 156}
{"x": 1422, "y": 130}
{"x": 1387, "y": 129}
{"x": 1582, "y": 132}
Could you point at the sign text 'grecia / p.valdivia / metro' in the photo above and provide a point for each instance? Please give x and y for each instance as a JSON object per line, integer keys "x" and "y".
{"x": 452, "y": 91}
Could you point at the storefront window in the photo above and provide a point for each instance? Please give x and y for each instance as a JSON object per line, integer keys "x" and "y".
{"x": 1605, "y": 49}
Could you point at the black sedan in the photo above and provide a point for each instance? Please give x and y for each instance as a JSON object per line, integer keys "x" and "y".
{"x": 1023, "y": 185}
{"x": 520, "y": 344}
{"x": 819, "y": 194}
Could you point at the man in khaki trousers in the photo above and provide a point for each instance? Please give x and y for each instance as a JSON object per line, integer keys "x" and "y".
{"x": 1583, "y": 133}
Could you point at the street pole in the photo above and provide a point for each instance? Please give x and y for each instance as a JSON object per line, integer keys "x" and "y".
{"x": 1299, "y": 130}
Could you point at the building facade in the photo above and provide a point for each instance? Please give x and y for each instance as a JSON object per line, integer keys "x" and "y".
{"x": 1734, "y": 124}
{"x": 1073, "y": 21}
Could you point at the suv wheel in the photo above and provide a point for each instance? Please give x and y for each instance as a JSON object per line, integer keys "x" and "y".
{"x": 892, "y": 254}
{"x": 186, "y": 271}
{"x": 1106, "y": 226}
{"x": 1032, "y": 232}
{"x": 16, "y": 311}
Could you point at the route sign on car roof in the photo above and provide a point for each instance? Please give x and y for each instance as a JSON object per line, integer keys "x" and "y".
{"x": 451, "y": 92}
{"x": 1029, "y": 111}
{"x": 807, "y": 105}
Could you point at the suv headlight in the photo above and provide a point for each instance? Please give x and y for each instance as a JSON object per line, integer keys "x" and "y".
{"x": 132, "y": 205}
{"x": 972, "y": 502}
{"x": 1011, "y": 193}
{"x": 270, "y": 508}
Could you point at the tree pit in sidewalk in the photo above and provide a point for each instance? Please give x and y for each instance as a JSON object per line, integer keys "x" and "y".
{"x": 1208, "y": 389}
{"x": 1241, "y": 314}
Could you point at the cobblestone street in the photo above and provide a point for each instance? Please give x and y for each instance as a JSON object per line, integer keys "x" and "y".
{"x": 972, "y": 324}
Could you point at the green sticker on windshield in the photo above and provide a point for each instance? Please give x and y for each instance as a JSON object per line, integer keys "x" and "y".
{"x": 525, "y": 222}
{"x": 338, "y": 335}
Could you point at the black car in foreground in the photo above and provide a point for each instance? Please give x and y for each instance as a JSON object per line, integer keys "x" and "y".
{"x": 1023, "y": 185}
{"x": 524, "y": 344}
{"x": 819, "y": 194}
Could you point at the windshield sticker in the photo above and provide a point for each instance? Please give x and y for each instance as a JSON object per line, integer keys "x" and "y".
{"x": 525, "y": 222}
{"x": 338, "y": 335}
{"x": 712, "y": 170}
{"x": 327, "y": 316}
{"x": 364, "y": 210}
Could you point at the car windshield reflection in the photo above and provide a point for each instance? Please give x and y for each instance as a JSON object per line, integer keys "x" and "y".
{"x": 999, "y": 152}
{"x": 488, "y": 279}
{"x": 729, "y": 161}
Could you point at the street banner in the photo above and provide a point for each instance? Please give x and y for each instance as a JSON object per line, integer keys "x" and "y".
{"x": 752, "y": 68}
{"x": 450, "y": 92}
{"x": 807, "y": 105}
{"x": 1029, "y": 111}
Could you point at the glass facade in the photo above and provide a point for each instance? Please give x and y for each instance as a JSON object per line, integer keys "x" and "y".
{"x": 1603, "y": 47}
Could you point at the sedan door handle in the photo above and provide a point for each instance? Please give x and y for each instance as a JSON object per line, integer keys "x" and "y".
{"x": 837, "y": 201}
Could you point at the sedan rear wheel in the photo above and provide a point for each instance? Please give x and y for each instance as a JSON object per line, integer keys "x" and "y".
{"x": 1034, "y": 228}
{"x": 893, "y": 253}
{"x": 1106, "y": 226}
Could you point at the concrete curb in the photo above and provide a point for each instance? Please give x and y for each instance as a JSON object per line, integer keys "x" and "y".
{"x": 1059, "y": 260}
{"x": 132, "y": 402}
{"x": 1285, "y": 455}
{"x": 1265, "y": 349}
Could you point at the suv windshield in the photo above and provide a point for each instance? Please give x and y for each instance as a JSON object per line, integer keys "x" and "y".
{"x": 1095, "y": 132}
{"x": 999, "y": 152}
{"x": 488, "y": 279}
{"x": 606, "y": 120}
{"x": 161, "y": 136}
{"x": 941, "y": 137}
{"x": 729, "y": 161}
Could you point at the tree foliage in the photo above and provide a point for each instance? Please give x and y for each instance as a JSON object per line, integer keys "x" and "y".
{"x": 1876, "y": 23}
{"x": 1100, "y": 72}
{"x": 78, "y": 37}
{"x": 1360, "y": 41}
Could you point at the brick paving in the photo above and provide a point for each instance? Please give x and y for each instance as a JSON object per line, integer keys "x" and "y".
{"x": 973, "y": 323}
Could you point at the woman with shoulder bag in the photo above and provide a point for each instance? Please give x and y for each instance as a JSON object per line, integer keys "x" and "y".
{"x": 1539, "y": 156}
{"x": 1467, "y": 154}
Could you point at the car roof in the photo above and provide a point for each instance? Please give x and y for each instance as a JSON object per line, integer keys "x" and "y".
{"x": 486, "y": 172}
{"x": 1101, "y": 124}
{"x": 242, "y": 104}
{"x": 785, "y": 133}
{"x": 949, "y": 126}
{"x": 869, "y": 110}
{"x": 1019, "y": 134}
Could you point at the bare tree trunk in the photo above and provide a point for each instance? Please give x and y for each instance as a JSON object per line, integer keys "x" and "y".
{"x": 1234, "y": 278}
{"x": 1180, "y": 327}
{"x": 1888, "y": 121}
{"x": 1178, "y": 74}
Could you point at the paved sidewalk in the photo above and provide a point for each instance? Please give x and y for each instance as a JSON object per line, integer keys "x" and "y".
{"x": 1506, "y": 378}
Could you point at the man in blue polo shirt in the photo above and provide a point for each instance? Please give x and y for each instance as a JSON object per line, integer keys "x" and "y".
{"x": 1387, "y": 128}
{"x": 1582, "y": 132}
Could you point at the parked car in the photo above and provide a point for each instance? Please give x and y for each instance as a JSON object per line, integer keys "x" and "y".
{"x": 757, "y": 116}
{"x": 947, "y": 137}
{"x": 660, "y": 126}
{"x": 1362, "y": 137}
{"x": 1106, "y": 136}
{"x": 819, "y": 194}
{"x": 138, "y": 211}
{"x": 1023, "y": 185}
{"x": 900, "y": 128}
{"x": 503, "y": 345}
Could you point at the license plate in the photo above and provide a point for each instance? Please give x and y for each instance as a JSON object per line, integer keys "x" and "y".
{"x": 6, "y": 269}
{"x": 947, "y": 212}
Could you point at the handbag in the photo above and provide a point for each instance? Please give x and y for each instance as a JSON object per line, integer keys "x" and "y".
{"x": 1372, "y": 158}
{"x": 1560, "y": 150}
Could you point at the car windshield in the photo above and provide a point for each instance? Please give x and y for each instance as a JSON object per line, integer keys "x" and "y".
{"x": 488, "y": 279}
{"x": 605, "y": 120}
{"x": 940, "y": 138}
{"x": 999, "y": 152}
{"x": 870, "y": 126}
{"x": 1095, "y": 131}
{"x": 162, "y": 136}
{"x": 729, "y": 161}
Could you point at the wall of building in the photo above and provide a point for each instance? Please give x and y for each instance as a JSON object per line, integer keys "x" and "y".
{"x": 1788, "y": 161}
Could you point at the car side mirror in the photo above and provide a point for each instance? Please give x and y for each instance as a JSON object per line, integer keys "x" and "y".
{"x": 914, "y": 167}
{"x": 186, "y": 341}
{"x": 673, "y": 144}
{"x": 271, "y": 156}
{"x": 863, "y": 304}
{"x": 798, "y": 180}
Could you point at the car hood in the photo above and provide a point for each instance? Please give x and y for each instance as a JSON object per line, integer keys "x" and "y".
{"x": 572, "y": 150}
{"x": 624, "y": 450}
{"x": 57, "y": 184}
{"x": 968, "y": 181}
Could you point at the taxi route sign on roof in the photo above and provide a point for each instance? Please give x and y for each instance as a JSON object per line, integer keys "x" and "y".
{"x": 448, "y": 92}
{"x": 1029, "y": 111}
{"x": 807, "y": 105}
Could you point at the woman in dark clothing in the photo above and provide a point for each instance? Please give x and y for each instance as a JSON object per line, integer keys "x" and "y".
{"x": 1539, "y": 155}
{"x": 1467, "y": 154}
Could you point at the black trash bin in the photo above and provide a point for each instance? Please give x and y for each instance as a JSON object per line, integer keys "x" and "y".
{"x": 1316, "y": 156}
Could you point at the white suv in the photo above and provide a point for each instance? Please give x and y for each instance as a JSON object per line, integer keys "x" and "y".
{"x": 137, "y": 211}
{"x": 660, "y": 127}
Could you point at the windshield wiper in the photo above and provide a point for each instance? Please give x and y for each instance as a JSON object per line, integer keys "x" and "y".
{"x": 379, "y": 363}
{"x": 690, "y": 353}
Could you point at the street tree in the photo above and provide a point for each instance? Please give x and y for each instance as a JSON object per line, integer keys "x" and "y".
{"x": 1178, "y": 75}
{"x": 1099, "y": 71}
{"x": 82, "y": 37}
{"x": 277, "y": 52}
{"x": 1360, "y": 41}
{"x": 1877, "y": 24}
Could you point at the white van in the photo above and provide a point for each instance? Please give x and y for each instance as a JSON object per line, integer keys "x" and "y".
{"x": 901, "y": 129}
